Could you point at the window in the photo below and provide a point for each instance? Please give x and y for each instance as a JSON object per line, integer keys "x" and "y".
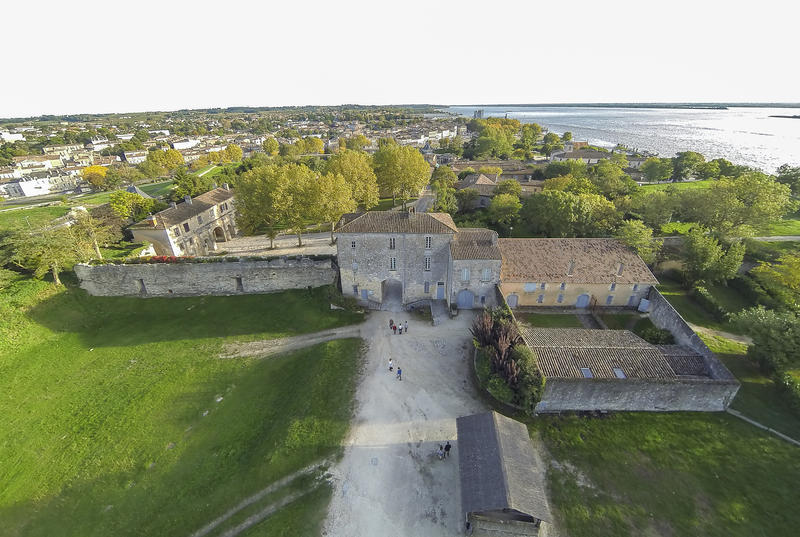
{"x": 427, "y": 287}
{"x": 199, "y": 219}
{"x": 571, "y": 268}
{"x": 619, "y": 373}
{"x": 540, "y": 299}
{"x": 483, "y": 299}
{"x": 635, "y": 287}
{"x": 465, "y": 275}
{"x": 530, "y": 287}
{"x": 631, "y": 300}
{"x": 353, "y": 245}
{"x": 587, "y": 373}
{"x": 186, "y": 227}
{"x": 486, "y": 275}
{"x": 391, "y": 243}
{"x": 355, "y": 267}
{"x": 427, "y": 263}
{"x": 560, "y": 298}
{"x": 355, "y": 290}
{"x": 543, "y": 286}
{"x": 609, "y": 300}
{"x": 177, "y": 231}
{"x": 620, "y": 269}
{"x": 613, "y": 286}
{"x": 392, "y": 263}
{"x": 563, "y": 285}
{"x": 428, "y": 241}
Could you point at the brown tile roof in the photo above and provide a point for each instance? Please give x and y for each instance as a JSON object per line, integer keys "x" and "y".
{"x": 549, "y": 260}
{"x": 398, "y": 222}
{"x": 475, "y": 243}
{"x": 683, "y": 361}
{"x": 562, "y": 352}
{"x": 184, "y": 211}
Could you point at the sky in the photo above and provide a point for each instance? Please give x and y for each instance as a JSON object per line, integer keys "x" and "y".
{"x": 99, "y": 56}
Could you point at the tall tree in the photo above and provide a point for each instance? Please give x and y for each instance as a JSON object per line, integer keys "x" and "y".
{"x": 657, "y": 169}
{"x": 610, "y": 180}
{"x": 47, "y": 250}
{"x": 401, "y": 171}
{"x": 190, "y": 184}
{"x": 233, "y": 153}
{"x": 685, "y": 165}
{"x": 789, "y": 175}
{"x": 96, "y": 176}
{"x": 636, "y": 235}
{"x": 302, "y": 198}
{"x": 529, "y": 136}
{"x": 504, "y": 210}
{"x": 654, "y": 207}
{"x": 335, "y": 198}
{"x": 707, "y": 261}
{"x": 90, "y": 233}
{"x": 550, "y": 213}
{"x": 509, "y": 186}
{"x": 261, "y": 201}
{"x": 356, "y": 168}
{"x": 270, "y": 146}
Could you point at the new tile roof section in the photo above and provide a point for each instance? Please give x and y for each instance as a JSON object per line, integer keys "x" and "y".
{"x": 475, "y": 243}
{"x": 549, "y": 260}
{"x": 562, "y": 352}
{"x": 399, "y": 222}
{"x": 184, "y": 211}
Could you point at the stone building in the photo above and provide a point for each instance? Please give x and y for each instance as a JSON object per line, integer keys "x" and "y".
{"x": 394, "y": 258}
{"x": 572, "y": 272}
{"x": 194, "y": 227}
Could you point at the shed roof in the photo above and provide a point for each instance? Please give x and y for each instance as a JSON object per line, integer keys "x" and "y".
{"x": 397, "y": 222}
{"x": 495, "y": 462}
{"x": 562, "y": 352}
{"x": 475, "y": 243}
{"x": 591, "y": 261}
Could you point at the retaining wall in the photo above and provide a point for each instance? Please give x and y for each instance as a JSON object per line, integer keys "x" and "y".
{"x": 218, "y": 278}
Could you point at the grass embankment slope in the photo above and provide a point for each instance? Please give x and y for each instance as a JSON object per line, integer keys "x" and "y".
{"x": 118, "y": 417}
{"x": 33, "y": 218}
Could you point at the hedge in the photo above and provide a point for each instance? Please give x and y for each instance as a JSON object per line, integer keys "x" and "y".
{"x": 790, "y": 388}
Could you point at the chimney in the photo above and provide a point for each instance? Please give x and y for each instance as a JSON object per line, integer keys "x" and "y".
{"x": 214, "y": 184}
{"x": 226, "y": 186}
{"x": 187, "y": 199}
{"x": 172, "y": 204}
{"x": 151, "y": 220}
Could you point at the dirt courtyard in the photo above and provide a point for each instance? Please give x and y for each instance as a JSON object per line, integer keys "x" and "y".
{"x": 389, "y": 482}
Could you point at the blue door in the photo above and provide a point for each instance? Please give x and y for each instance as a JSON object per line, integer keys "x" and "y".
{"x": 364, "y": 294}
{"x": 583, "y": 301}
{"x": 440, "y": 290}
{"x": 512, "y": 301}
{"x": 465, "y": 299}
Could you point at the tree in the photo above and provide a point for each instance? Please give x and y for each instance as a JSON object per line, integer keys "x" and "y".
{"x": 356, "y": 168}
{"x": 566, "y": 137}
{"x": 685, "y": 165}
{"x": 594, "y": 216}
{"x": 552, "y": 143}
{"x": 639, "y": 237}
{"x": 356, "y": 143}
{"x": 302, "y": 198}
{"x": 47, "y": 250}
{"x": 466, "y": 199}
{"x": 121, "y": 174}
{"x": 96, "y": 176}
{"x": 261, "y": 201}
{"x": 708, "y": 170}
{"x": 491, "y": 170}
{"x": 657, "y": 169}
{"x": 504, "y": 210}
{"x": 189, "y": 184}
{"x": 575, "y": 168}
{"x": 313, "y": 145}
{"x": 529, "y": 136}
{"x": 707, "y": 261}
{"x": 776, "y": 338}
{"x": 233, "y": 153}
{"x": 782, "y": 279}
{"x": 790, "y": 176}
{"x": 90, "y": 233}
{"x": 550, "y": 213}
{"x": 610, "y": 180}
{"x": 270, "y": 146}
{"x": 568, "y": 183}
{"x": 444, "y": 174}
{"x": 335, "y": 198}
{"x": 508, "y": 186}
{"x": 654, "y": 207}
{"x": 446, "y": 201}
{"x": 131, "y": 205}
{"x": 401, "y": 170}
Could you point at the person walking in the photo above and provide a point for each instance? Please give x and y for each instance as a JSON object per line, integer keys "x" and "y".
{"x": 440, "y": 452}
{"x": 406, "y": 327}
{"x": 391, "y": 365}
{"x": 399, "y": 374}
{"x": 391, "y": 323}
{"x": 447, "y": 447}
{"x": 400, "y": 329}
{"x": 394, "y": 328}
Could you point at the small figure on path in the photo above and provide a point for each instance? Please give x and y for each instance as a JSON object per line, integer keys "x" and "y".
{"x": 391, "y": 365}
{"x": 399, "y": 374}
{"x": 400, "y": 329}
{"x": 391, "y": 323}
{"x": 394, "y": 328}
{"x": 440, "y": 452}
{"x": 447, "y": 447}
{"x": 406, "y": 327}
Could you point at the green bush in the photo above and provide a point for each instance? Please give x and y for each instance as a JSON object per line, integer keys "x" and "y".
{"x": 708, "y": 302}
{"x": 790, "y": 388}
{"x": 752, "y": 291}
{"x": 531, "y": 384}
{"x": 500, "y": 390}
{"x": 657, "y": 336}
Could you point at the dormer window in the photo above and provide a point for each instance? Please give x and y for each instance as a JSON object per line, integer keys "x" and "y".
{"x": 571, "y": 268}
{"x": 620, "y": 269}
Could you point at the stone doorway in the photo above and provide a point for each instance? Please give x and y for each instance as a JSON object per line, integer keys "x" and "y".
{"x": 392, "y": 293}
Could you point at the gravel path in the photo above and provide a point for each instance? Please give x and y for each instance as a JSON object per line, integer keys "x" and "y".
{"x": 267, "y": 347}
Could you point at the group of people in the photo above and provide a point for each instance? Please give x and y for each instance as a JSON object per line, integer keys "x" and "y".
{"x": 444, "y": 450}
{"x": 399, "y": 375}
{"x": 398, "y": 327}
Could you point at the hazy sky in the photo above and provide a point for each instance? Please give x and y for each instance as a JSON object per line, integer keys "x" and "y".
{"x": 107, "y": 56}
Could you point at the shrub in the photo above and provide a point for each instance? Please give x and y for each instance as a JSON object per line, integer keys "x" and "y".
{"x": 708, "y": 302}
{"x": 657, "y": 336}
{"x": 531, "y": 384}
{"x": 752, "y": 291}
{"x": 790, "y": 388}
{"x": 500, "y": 390}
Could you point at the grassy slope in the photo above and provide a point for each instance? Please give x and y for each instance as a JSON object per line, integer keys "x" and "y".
{"x": 158, "y": 190}
{"x": 103, "y": 408}
{"x": 36, "y": 216}
{"x": 691, "y": 310}
{"x": 787, "y": 226}
{"x": 682, "y": 474}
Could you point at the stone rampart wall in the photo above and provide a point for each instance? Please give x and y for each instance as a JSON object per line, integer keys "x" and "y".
{"x": 218, "y": 278}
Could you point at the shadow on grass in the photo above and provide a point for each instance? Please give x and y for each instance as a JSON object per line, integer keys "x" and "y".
{"x": 120, "y": 321}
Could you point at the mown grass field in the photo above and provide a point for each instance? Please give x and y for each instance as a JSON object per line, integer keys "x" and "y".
{"x": 676, "y": 474}
{"x": 158, "y": 190}
{"x": 544, "y": 320}
{"x": 119, "y": 418}
{"x": 34, "y": 217}
{"x": 787, "y": 226}
{"x": 691, "y": 311}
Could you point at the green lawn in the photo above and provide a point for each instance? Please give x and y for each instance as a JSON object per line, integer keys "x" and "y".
{"x": 158, "y": 190}
{"x": 690, "y": 185}
{"x": 544, "y": 320}
{"x": 120, "y": 419}
{"x": 618, "y": 321}
{"x": 770, "y": 250}
{"x": 384, "y": 204}
{"x": 787, "y": 226}
{"x": 35, "y": 217}
{"x": 690, "y": 310}
{"x": 91, "y": 200}
{"x": 757, "y": 398}
{"x": 676, "y": 228}
{"x": 671, "y": 474}
{"x": 729, "y": 298}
